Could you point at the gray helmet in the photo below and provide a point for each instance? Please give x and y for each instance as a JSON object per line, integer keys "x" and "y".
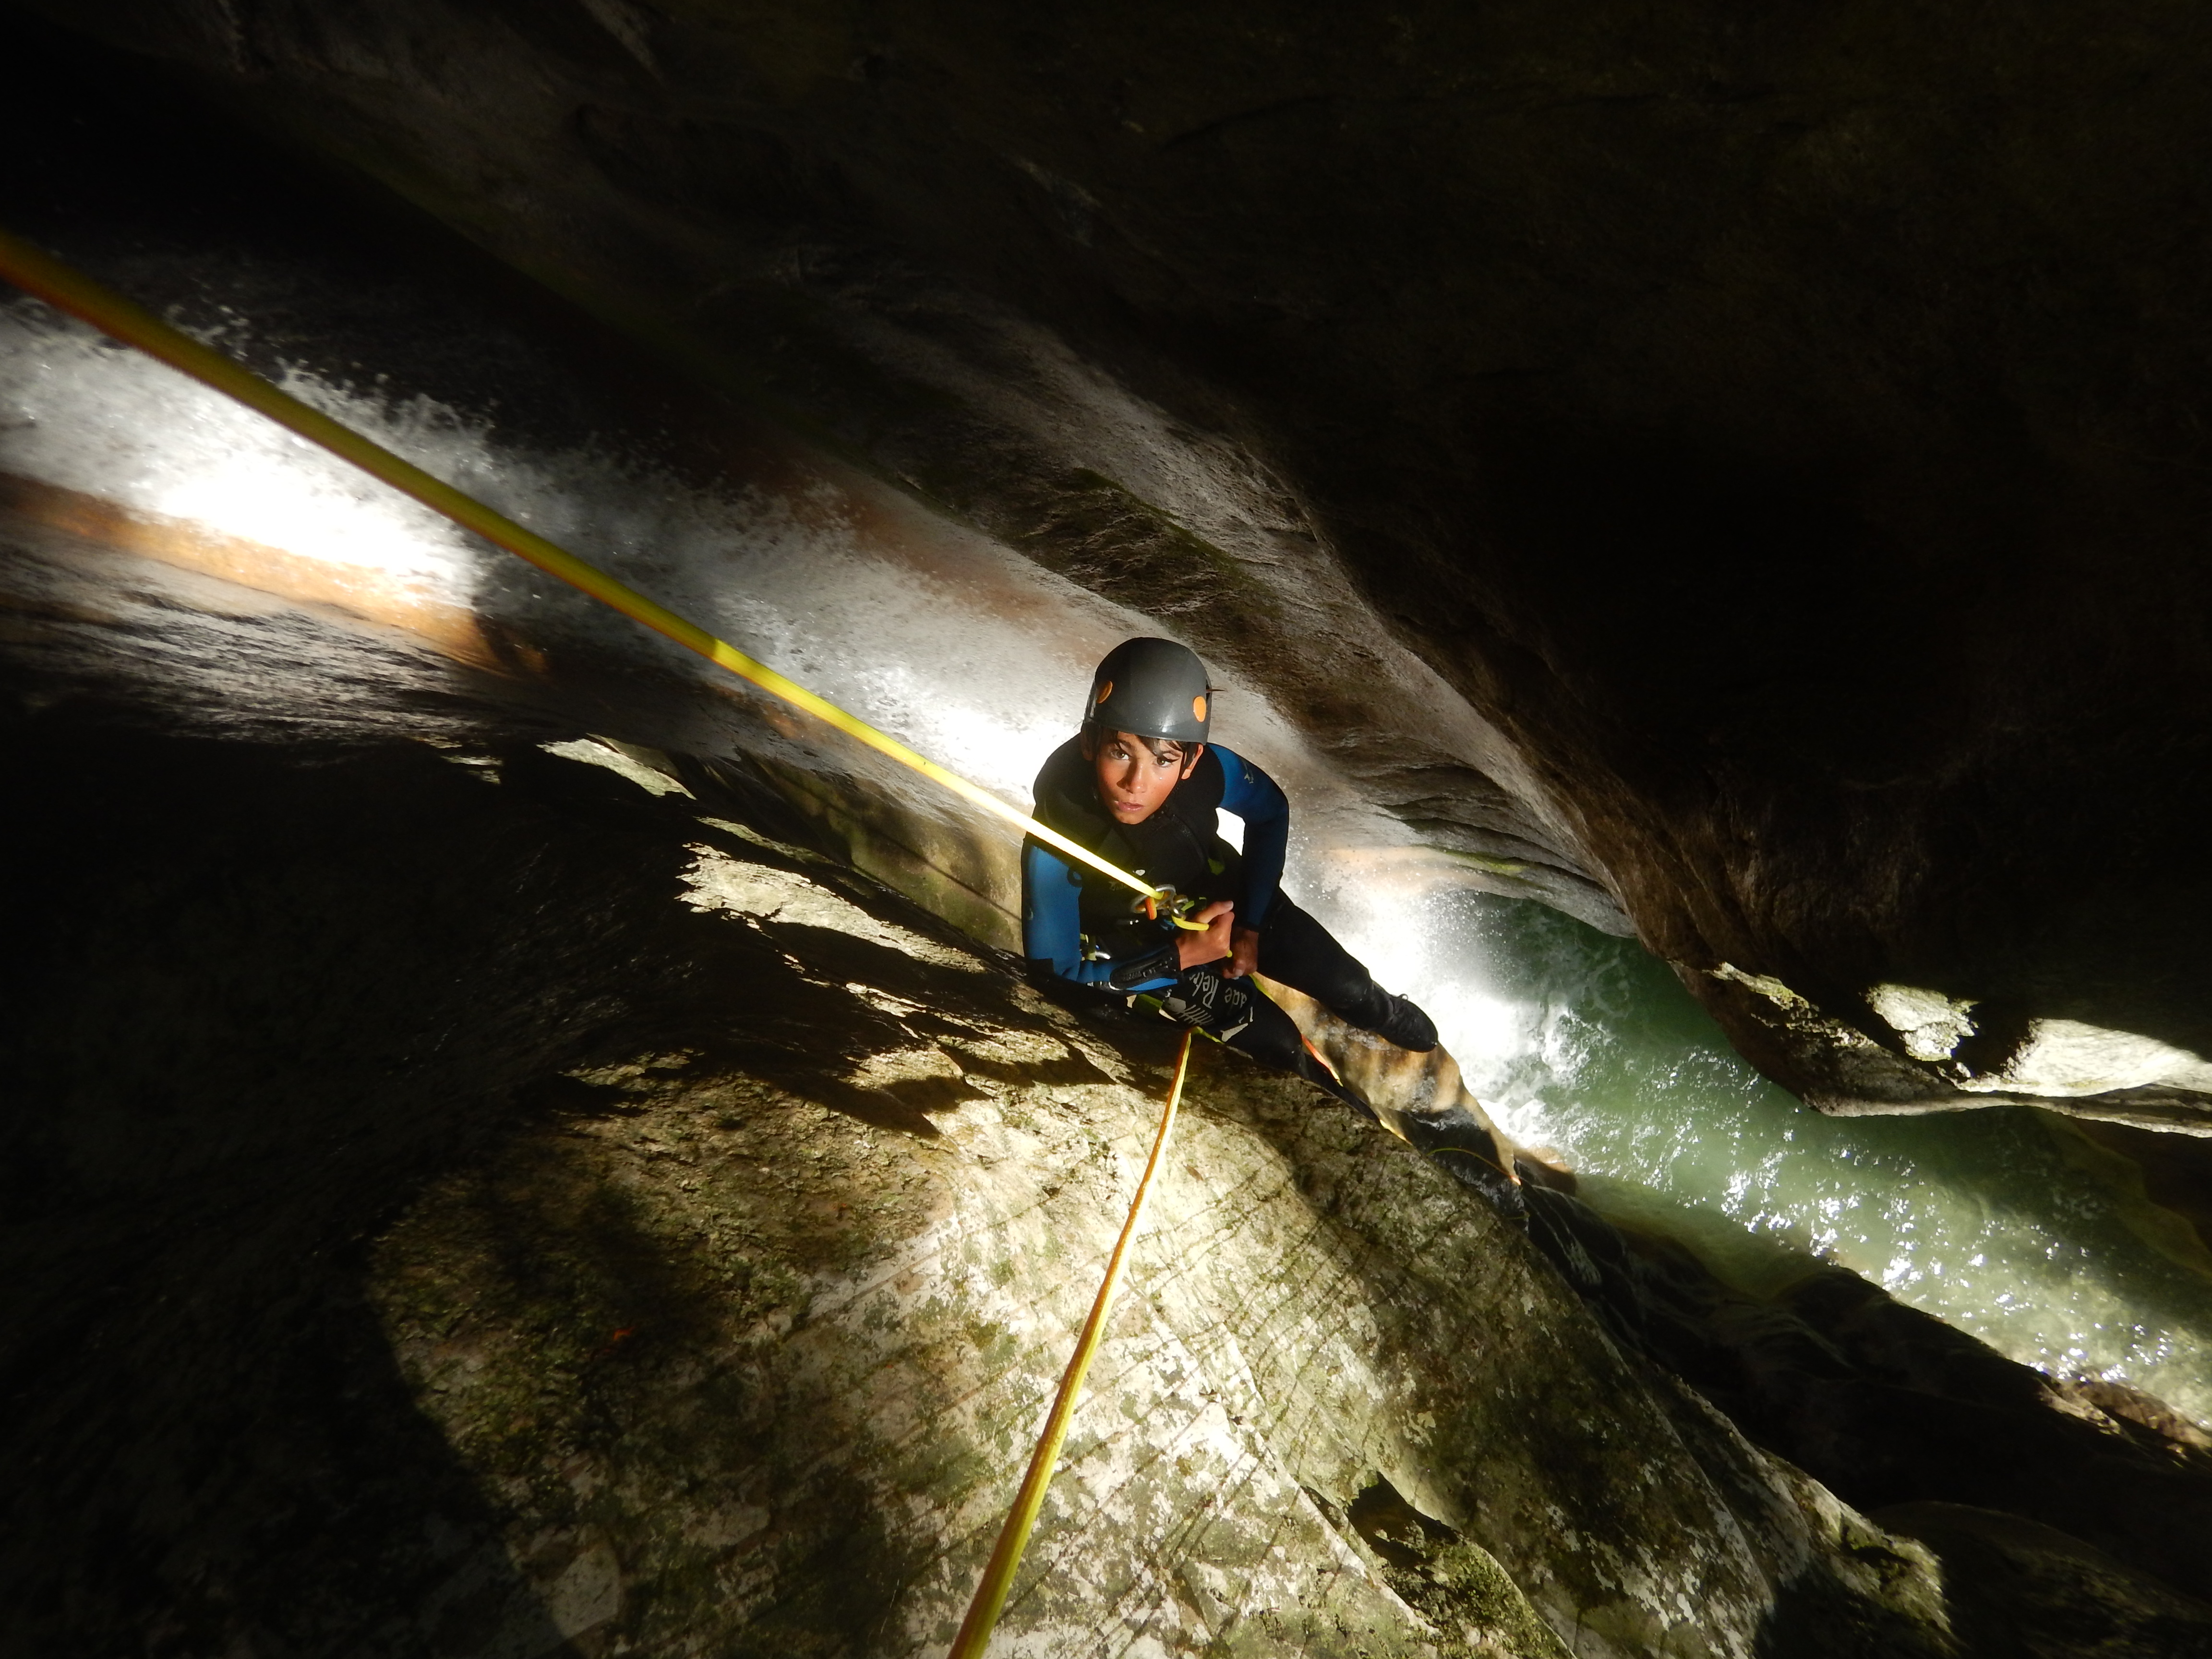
{"x": 1154, "y": 687}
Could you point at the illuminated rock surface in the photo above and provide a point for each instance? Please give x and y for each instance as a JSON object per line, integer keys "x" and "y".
{"x": 685, "y": 1267}
{"x": 470, "y": 1203}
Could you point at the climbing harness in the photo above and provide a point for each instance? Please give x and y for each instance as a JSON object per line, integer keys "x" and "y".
{"x": 38, "y": 273}
{"x": 999, "y": 1574}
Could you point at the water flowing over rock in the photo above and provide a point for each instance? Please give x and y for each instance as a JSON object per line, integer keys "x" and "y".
{"x": 487, "y": 1188}
{"x": 1745, "y": 467}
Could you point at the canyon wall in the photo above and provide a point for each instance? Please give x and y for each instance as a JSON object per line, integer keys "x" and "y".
{"x": 1764, "y": 447}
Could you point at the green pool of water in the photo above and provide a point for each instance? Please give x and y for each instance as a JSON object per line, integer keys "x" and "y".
{"x": 2006, "y": 1222}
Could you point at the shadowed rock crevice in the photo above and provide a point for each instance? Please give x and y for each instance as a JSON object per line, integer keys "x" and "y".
{"x": 266, "y": 995}
{"x": 1888, "y": 1407}
{"x": 1456, "y": 1584}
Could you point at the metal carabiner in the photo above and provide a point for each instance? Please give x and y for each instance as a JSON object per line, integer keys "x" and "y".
{"x": 1179, "y": 908}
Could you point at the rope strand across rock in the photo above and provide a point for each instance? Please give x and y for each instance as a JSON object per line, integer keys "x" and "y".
{"x": 998, "y": 1574}
{"x": 39, "y": 274}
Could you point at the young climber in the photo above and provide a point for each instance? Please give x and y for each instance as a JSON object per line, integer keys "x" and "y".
{"x": 1140, "y": 785}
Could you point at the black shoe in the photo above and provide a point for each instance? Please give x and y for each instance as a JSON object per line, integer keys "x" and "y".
{"x": 1407, "y": 1026}
{"x": 1207, "y": 1000}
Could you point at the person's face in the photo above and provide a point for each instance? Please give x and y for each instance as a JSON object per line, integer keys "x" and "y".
{"x": 1135, "y": 774}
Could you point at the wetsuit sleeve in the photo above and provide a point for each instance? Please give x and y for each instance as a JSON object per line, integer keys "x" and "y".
{"x": 1255, "y": 798}
{"x": 1052, "y": 928}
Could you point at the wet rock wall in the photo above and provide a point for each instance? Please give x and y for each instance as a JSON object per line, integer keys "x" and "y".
{"x": 628, "y": 1233}
{"x": 594, "y": 1246}
{"x": 1762, "y": 445}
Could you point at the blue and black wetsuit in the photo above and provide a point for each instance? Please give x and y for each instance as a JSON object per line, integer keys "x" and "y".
{"x": 1082, "y": 931}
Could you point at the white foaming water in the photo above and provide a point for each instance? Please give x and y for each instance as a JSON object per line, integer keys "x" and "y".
{"x": 951, "y": 642}
{"x": 2008, "y": 1223}
{"x": 78, "y": 412}
{"x": 2011, "y": 1228}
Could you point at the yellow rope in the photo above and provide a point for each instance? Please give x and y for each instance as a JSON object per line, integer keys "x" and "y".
{"x": 999, "y": 1573}
{"x": 50, "y": 279}
{"x": 38, "y": 273}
